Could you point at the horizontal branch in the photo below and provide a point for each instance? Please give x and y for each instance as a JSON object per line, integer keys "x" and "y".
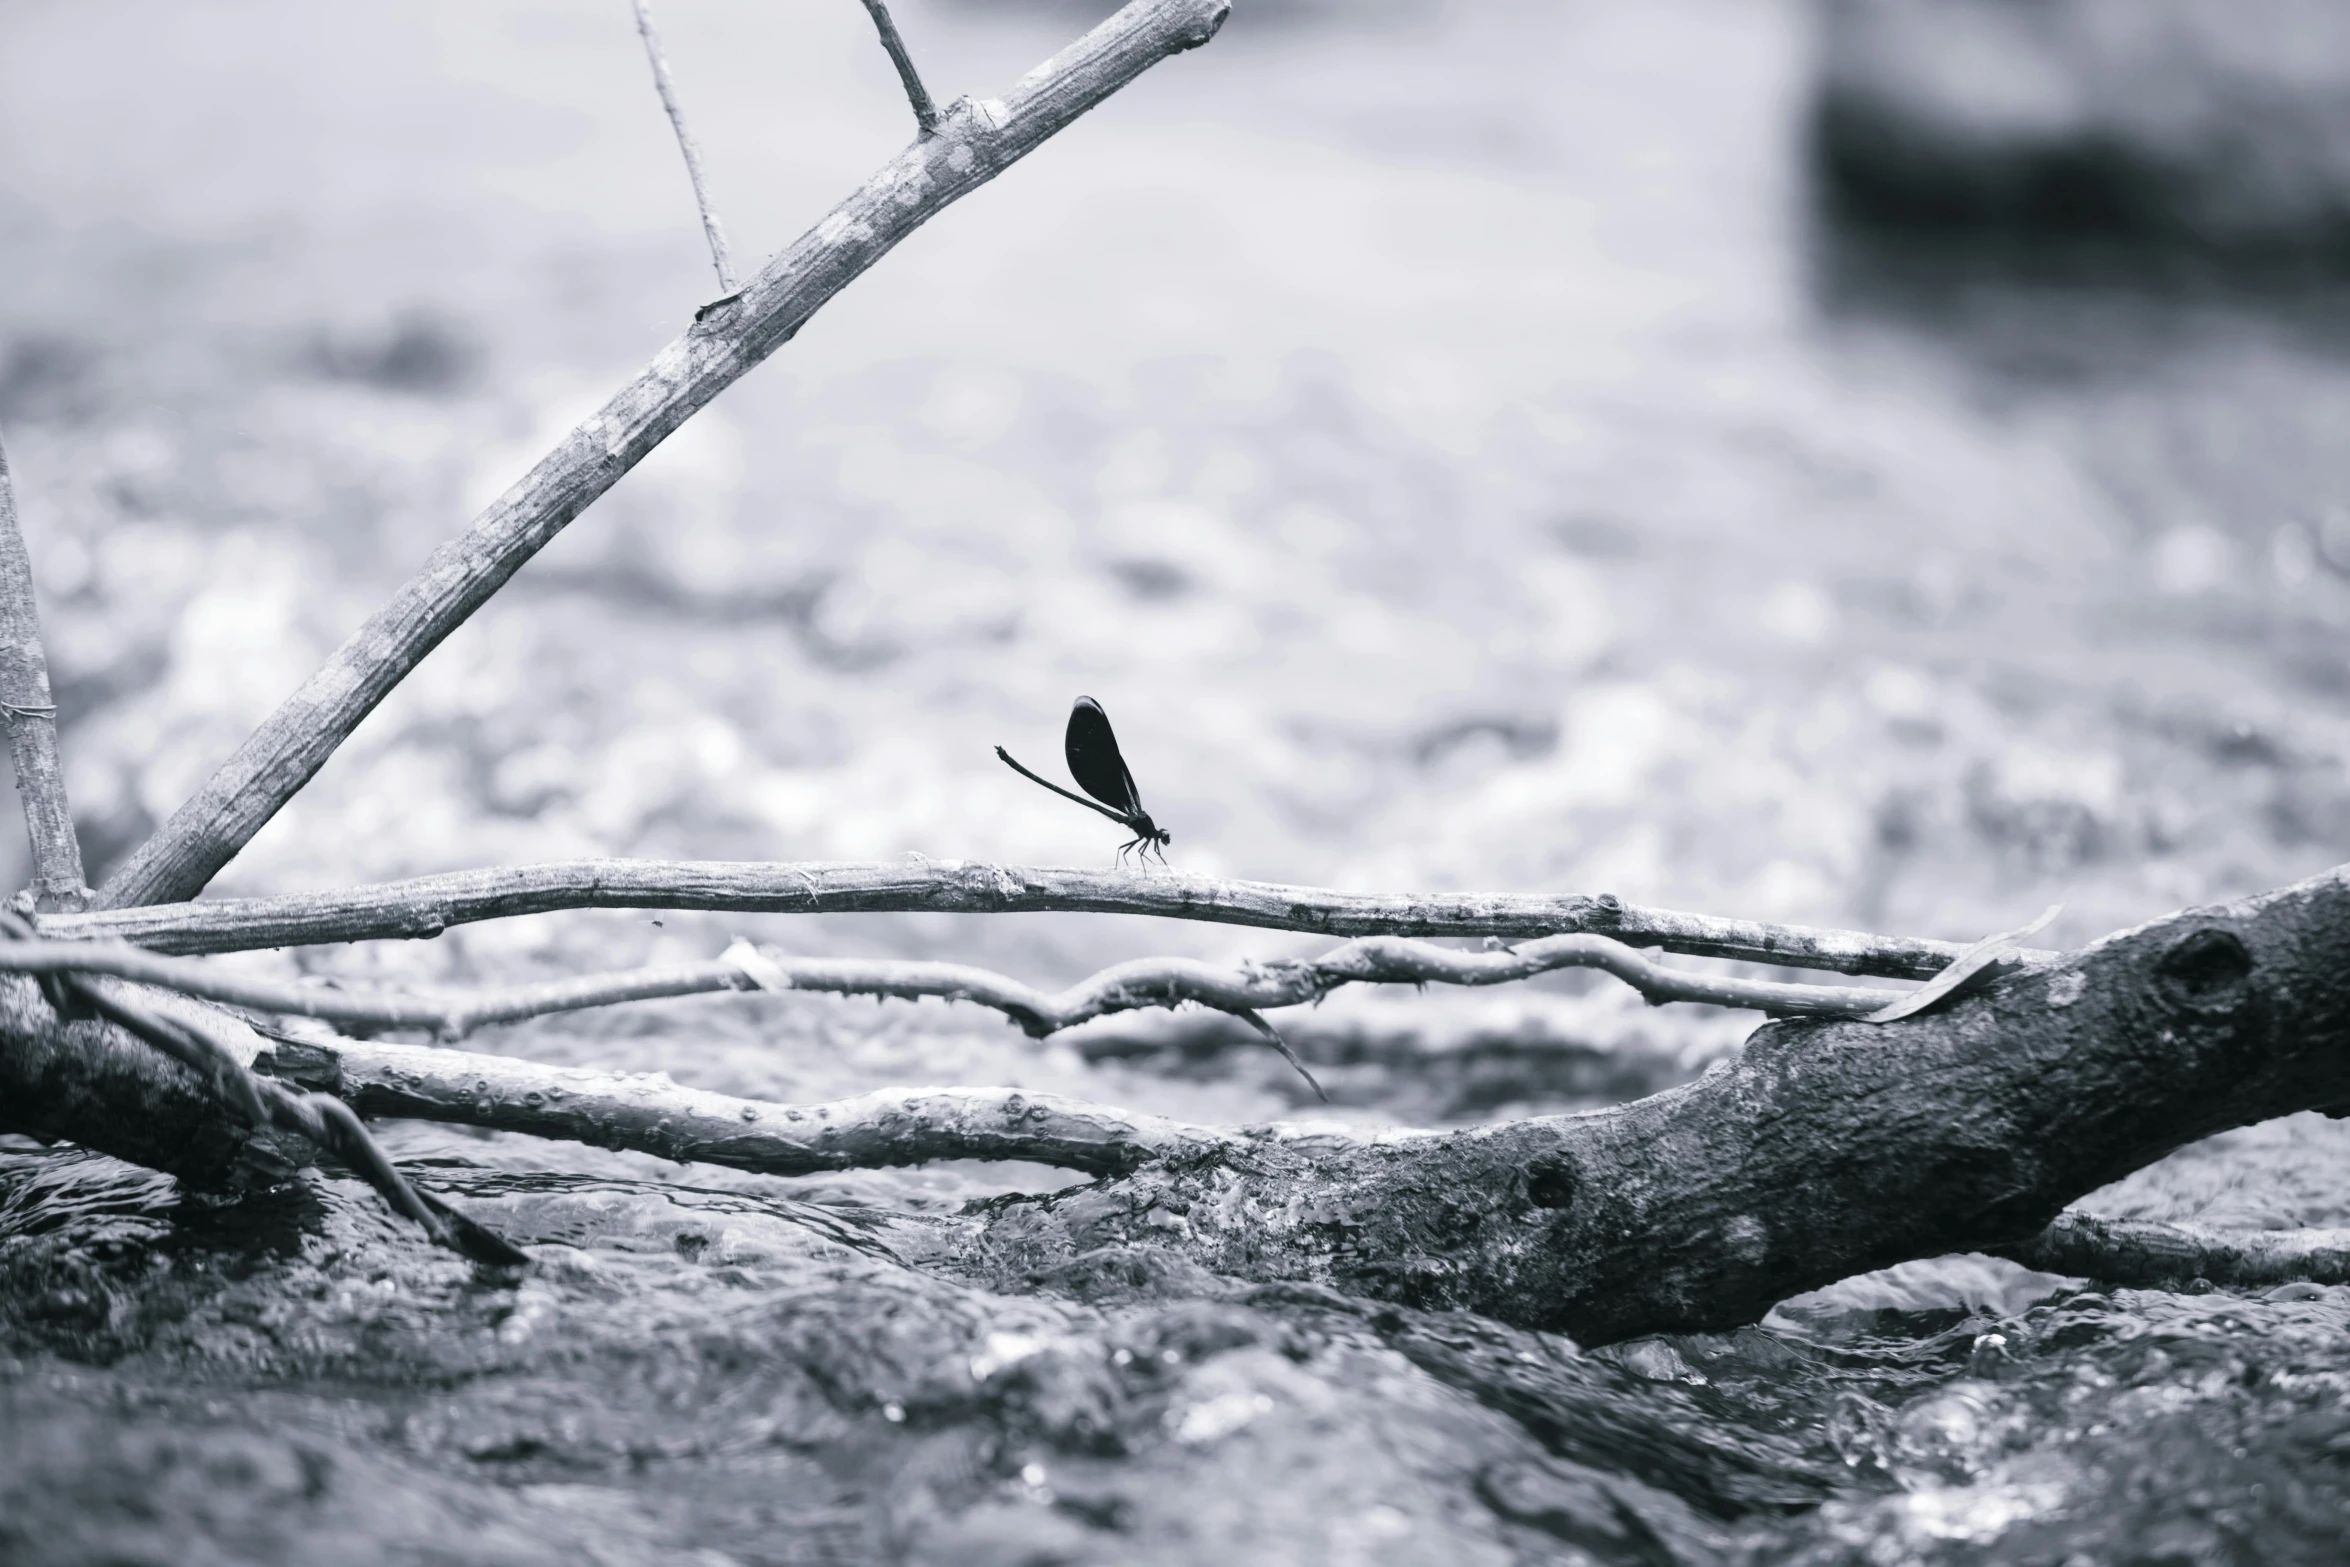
{"x": 908, "y": 1126}
{"x": 1826, "y": 1147}
{"x": 651, "y": 1114}
{"x": 424, "y": 906}
{"x": 1243, "y": 989}
{"x": 2139, "y": 1253}
{"x": 971, "y": 144}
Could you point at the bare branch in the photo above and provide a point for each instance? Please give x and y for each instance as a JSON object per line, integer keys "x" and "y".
{"x": 2142, "y": 1254}
{"x": 427, "y": 905}
{"x": 32, "y": 720}
{"x": 667, "y": 88}
{"x": 975, "y": 142}
{"x": 651, "y": 1114}
{"x": 1242, "y": 991}
{"x": 1828, "y": 1147}
{"x": 925, "y": 112}
{"x": 890, "y": 1127}
{"x": 1823, "y": 1149}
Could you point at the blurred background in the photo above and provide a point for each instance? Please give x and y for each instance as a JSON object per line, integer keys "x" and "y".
{"x": 1870, "y": 463}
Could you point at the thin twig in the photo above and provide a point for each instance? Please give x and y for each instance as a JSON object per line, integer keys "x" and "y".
{"x": 975, "y": 142}
{"x": 667, "y": 88}
{"x": 427, "y": 905}
{"x": 1124, "y": 987}
{"x": 925, "y": 112}
{"x": 32, "y": 720}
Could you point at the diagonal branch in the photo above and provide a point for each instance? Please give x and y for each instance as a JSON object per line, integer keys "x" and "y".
{"x": 32, "y": 720}
{"x": 427, "y": 905}
{"x": 667, "y": 88}
{"x": 974, "y": 143}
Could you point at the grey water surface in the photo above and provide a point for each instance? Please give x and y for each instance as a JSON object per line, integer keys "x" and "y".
{"x": 1461, "y": 449}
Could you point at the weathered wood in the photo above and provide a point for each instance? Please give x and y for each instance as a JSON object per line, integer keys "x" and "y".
{"x": 973, "y": 142}
{"x": 101, "y": 1086}
{"x": 1826, "y": 1149}
{"x": 647, "y": 1113}
{"x": 1240, "y": 989}
{"x": 2143, "y": 1254}
{"x": 31, "y": 713}
{"x": 424, "y": 906}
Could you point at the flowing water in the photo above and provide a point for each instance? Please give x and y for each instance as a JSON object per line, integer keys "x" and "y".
{"x": 1445, "y": 440}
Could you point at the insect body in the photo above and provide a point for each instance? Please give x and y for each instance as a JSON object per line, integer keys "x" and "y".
{"x": 1098, "y": 768}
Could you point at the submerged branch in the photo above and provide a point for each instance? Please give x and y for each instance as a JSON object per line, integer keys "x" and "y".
{"x": 974, "y": 142}
{"x": 424, "y": 906}
{"x": 648, "y": 1113}
{"x": 1828, "y": 1147}
{"x": 167, "y": 1082}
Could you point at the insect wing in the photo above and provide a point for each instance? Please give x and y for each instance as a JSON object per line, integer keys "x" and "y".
{"x": 1094, "y": 760}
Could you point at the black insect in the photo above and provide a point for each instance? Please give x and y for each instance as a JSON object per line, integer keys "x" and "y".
{"x": 1098, "y": 768}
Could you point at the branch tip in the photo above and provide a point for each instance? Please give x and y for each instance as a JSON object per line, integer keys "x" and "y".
{"x": 667, "y": 88}
{"x": 917, "y": 95}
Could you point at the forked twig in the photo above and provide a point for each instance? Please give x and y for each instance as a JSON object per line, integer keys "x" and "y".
{"x": 666, "y": 86}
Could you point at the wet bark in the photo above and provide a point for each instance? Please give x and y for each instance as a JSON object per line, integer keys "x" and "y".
{"x": 97, "y": 1085}
{"x": 1826, "y": 1149}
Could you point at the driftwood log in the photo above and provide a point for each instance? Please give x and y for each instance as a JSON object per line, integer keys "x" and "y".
{"x": 1825, "y": 1149}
